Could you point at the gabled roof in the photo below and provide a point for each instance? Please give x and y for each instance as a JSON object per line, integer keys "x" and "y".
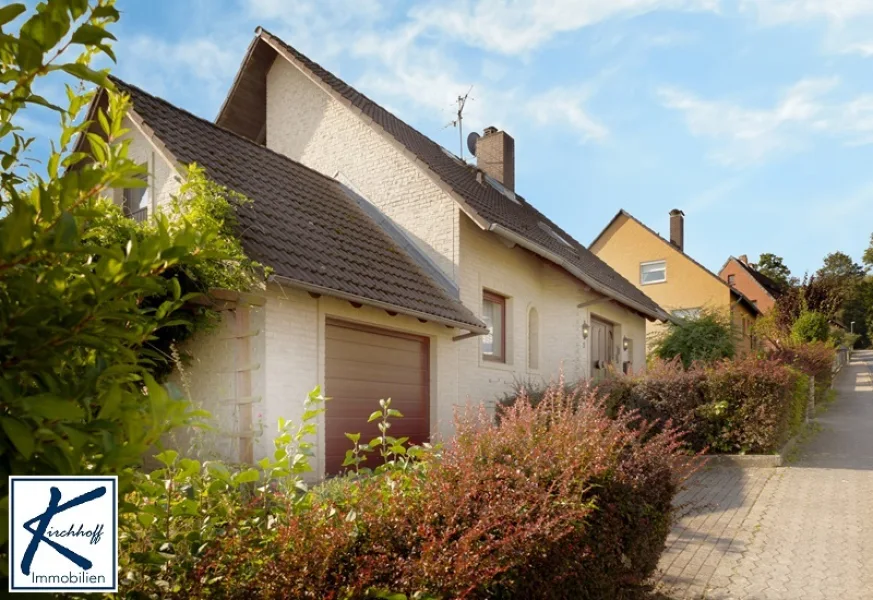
{"x": 492, "y": 209}
{"x": 742, "y": 298}
{"x": 308, "y": 227}
{"x": 773, "y": 288}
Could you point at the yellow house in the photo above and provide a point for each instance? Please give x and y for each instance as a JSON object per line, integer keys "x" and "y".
{"x": 677, "y": 282}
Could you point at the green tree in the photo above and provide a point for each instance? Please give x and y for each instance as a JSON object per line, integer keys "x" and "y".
{"x": 867, "y": 258}
{"x": 707, "y": 337}
{"x": 773, "y": 267}
{"x": 810, "y": 327}
{"x": 78, "y": 309}
{"x": 841, "y": 266}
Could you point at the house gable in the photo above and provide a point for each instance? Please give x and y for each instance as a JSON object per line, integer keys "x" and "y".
{"x": 626, "y": 243}
{"x": 513, "y": 219}
{"x": 745, "y": 282}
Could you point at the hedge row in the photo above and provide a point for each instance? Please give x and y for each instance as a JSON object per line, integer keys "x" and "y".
{"x": 558, "y": 501}
{"x": 748, "y": 405}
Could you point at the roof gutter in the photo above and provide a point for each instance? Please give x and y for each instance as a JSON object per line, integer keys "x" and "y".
{"x": 317, "y": 289}
{"x": 559, "y": 260}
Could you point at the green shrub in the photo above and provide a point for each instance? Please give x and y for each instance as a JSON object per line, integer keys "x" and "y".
{"x": 707, "y": 337}
{"x": 810, "y": 327}
{"x": 557, "y": 501}
{"x": 749, "y": 405}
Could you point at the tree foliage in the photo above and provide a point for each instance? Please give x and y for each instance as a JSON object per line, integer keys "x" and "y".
{"x": 707, "y": 337}
{"x": 80, "y": 312}
{"x": 773, "y": 267}
{"x": 810, "y": 326}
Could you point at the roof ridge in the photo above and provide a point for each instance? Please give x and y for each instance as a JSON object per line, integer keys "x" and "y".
{"x": 223, "y": 129}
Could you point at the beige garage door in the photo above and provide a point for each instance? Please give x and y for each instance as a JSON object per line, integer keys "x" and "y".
{"x": 363, "y": 365}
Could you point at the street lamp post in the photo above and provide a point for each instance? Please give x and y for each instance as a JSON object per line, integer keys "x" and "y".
{"x": 852, "y": 327}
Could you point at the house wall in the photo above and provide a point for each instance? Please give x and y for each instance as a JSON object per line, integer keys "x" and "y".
{"x": 747, "y": 285}
{"x": 527, "y": 281}
{"x": 742, "y": 319}
{"x": 163, "y": 180}
{"x": 309, "y": 126}
{"x": 627, "y": 244}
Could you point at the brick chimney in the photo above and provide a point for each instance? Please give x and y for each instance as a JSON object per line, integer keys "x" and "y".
{"x": 743, "y": 259}
{"x": 677, "y": 228}
{"x": 495, "y": 155}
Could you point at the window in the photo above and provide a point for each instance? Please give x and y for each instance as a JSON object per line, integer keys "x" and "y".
{"x": 494, "y": 316}
{"x": 686, "y": 313}
{"x": 533, "y": 339}
{"x": 135, "y": 202}
{"x": 653, "y": 272}
{"x": 731, "y": 279}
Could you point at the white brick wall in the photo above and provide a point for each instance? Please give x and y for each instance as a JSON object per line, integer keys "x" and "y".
{"x": 163, "y": 180}
{"x": 306, "y": 124}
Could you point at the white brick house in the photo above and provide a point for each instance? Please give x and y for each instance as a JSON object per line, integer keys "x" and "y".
{"x": 498, "y": 292}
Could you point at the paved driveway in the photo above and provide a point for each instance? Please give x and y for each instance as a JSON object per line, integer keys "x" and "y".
{"x": 793, "y": 533}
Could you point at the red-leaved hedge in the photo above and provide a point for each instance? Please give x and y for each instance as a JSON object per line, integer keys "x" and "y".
{"x": 557, "y": 501}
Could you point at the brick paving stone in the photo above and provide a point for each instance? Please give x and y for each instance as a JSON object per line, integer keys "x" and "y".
{"x": 799, "y": 532}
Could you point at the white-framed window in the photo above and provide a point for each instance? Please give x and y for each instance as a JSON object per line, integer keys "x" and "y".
{"x": 686, "y": 313}
{"x": 653, "y": 272}
{"x": 494, "y": 316}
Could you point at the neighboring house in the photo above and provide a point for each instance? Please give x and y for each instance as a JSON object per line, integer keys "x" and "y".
{"x": 398, "y": 269}
{"x": 756, "y": 286}
{"x": 677, "y": 282}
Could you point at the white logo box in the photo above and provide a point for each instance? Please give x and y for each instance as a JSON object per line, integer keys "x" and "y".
{"x": 63, "y": 534}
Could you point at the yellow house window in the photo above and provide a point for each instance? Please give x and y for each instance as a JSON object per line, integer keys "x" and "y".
{"x": 653, "y": 272}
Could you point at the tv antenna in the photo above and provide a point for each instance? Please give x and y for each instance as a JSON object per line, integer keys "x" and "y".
{"x": 459, "y": 121}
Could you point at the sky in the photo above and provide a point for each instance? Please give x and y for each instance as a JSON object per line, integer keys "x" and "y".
{"x": 754, "y": 117}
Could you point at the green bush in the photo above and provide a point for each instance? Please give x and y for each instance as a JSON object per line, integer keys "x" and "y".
{"x": 748, "y": 405}
{"x": 810, "y": 327}
{"x": 707, "y": 337}
{"x": 557, "y": 501}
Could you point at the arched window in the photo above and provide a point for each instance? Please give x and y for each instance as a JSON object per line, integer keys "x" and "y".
{"x": 533, "y": 339}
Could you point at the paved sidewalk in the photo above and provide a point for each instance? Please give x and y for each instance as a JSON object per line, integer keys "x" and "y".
{"x": 793, "y": 533}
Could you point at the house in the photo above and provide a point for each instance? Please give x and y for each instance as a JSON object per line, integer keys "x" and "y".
{"x": 668, "y": 275}
{"x": 398, "y": 270}
{"x": 753, "y": 284}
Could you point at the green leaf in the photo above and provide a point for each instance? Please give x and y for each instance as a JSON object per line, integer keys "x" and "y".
{"x": 247, "y": 476}
{"x": 10, "y": 11}
{"x": 376, "y": 415}
{"x": 87, "y": 74}
{"x": 354, "y": 437}
{"x": 167, "y": 457}
{"x": 55, "y": 408}
{"x": 393, "y": 412}
{"x": 19, "y": 434}
{"x": 89, "y": 34}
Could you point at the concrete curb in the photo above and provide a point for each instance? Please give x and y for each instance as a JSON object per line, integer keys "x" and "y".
{"x": 755, "y": 461}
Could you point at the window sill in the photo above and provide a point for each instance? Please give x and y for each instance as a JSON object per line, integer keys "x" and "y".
{"x": 654, "y": 282}
{"x": 495, "y": 365}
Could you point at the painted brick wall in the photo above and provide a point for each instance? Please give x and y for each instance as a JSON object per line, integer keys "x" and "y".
{"x": 531, "y": 282}
{"x": 304, "y": 123}
{"x": 163, "y": 180}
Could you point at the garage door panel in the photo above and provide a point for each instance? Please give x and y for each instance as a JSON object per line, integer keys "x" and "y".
{"x": 353, "y": 335}
{"x": 374, "y": 355}
{"x": 351, "y": 370}
{"x": 362, "y": 366}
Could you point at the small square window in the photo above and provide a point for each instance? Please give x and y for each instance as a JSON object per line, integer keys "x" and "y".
{"x": 686, "y": 313}
{"x": 494, "y": 316}
{"x": 731, "y": 280}
{"x": 653, "y": 272}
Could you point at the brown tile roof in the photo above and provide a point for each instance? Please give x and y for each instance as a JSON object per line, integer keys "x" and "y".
{"x": 487, "y": 203}
{"x": 738, "y": 294}
{"x": 771, "y": 287}
{"x": 306, "y": 226}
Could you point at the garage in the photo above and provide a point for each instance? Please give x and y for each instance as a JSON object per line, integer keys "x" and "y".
{"x": 362, "y": 365}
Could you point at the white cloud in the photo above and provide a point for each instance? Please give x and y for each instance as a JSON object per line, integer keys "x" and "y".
{"x": 746, "y": 135}
{"x": 848, "y": 22}
{"x": 512, "y": 27}
{"x": 565, "y": 106}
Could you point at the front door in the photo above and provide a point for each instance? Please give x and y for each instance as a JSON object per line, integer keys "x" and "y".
{"x": 601, "y": 348}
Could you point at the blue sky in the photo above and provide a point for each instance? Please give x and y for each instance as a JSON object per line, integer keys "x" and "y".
{"x": 753, "y": 116}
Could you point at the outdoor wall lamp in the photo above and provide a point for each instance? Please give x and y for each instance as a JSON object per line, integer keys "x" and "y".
{"x": 625, "y": 343}
{"x": 584, "y": 330}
